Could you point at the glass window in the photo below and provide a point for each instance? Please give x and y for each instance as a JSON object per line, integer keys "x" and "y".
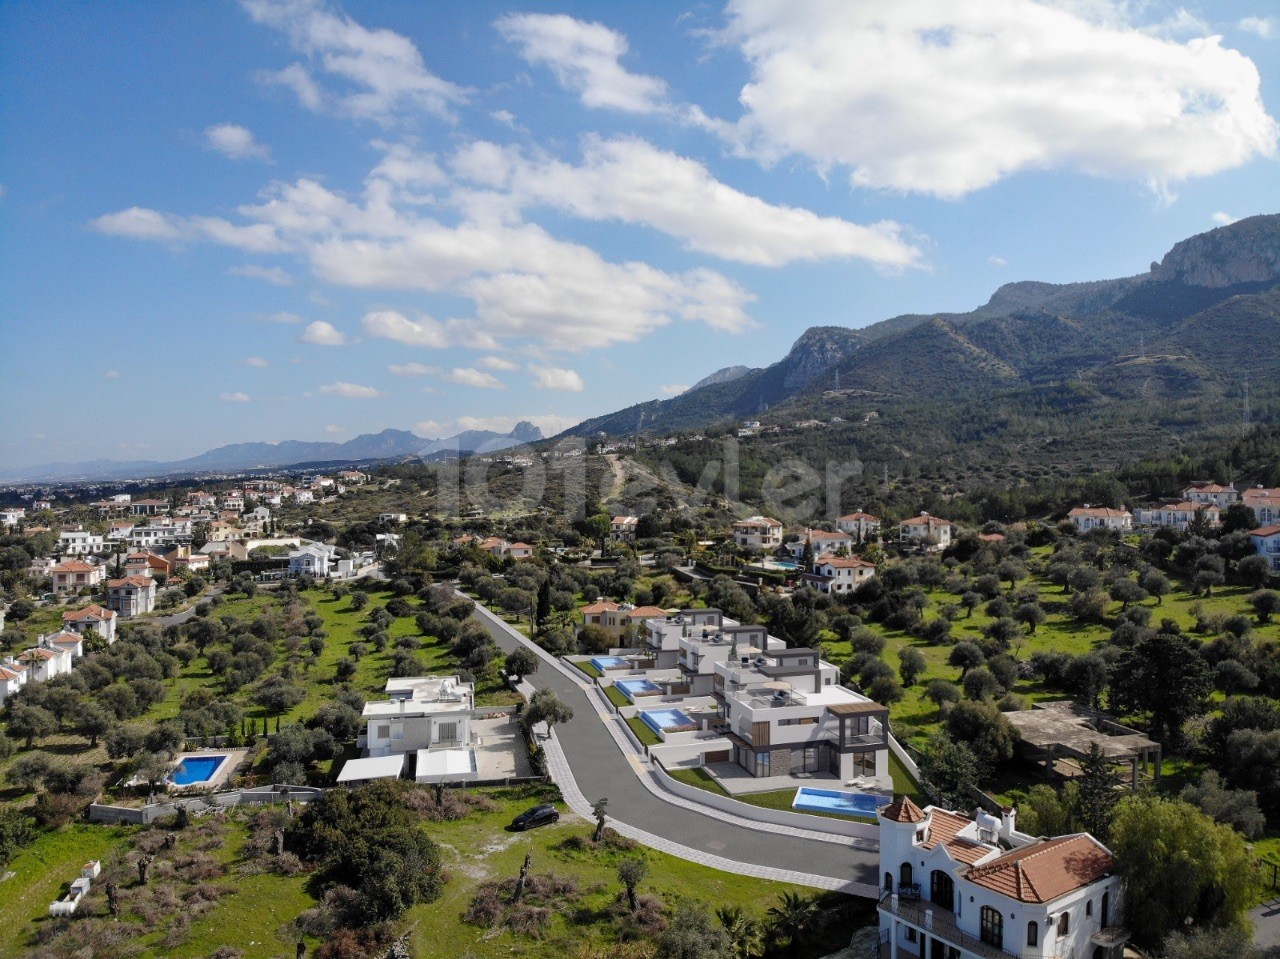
{"x": 762, "y": 764}
{"x": 992, "y": 927}
{"x": 1033, "y": 934}
{"x": 1088, "y": 908}
{"x": 1064, "y": 924}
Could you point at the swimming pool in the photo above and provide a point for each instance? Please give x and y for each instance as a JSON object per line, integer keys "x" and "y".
{"x": 667, "y": 720}
{"x": 631, "y": 688}
{"x": 603, "y": 663}
{"x": 790, "y": 567}
{"x": 196, "y": 769}
{"x": 864, "y": 805}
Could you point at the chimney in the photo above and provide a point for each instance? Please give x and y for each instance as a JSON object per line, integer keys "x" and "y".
{"x": 1008, "y": 821}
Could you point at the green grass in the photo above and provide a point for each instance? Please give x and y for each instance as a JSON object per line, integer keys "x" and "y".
{"x": 616, "y": 696}
{"x": 781, "y": 799}
{"x": 697, "y": 777}
{"x": 42, "y": 872}
{"x": 585, "y": 667}
{"x": 903, "y": 784}
{"x": 643, "y": 733}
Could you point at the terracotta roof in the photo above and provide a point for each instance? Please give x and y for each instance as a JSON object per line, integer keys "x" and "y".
{"x": 991, "y": 537}
{"x": 1100, "y": 512}
{"x": 74, "y": 566}
{"x": 603, "y": 606}
{"x": 1211, "y": 488}
{"x": 141, "y": 581}
{"x": 1252, "y": 495}
{"x": 858, "y": 516}
{"x": 1045, "y": 870}
{"x": 1266, "y": 530}
{"x": 89, "y": 612}
{"x": 7, "y": 673}
{"x": 30, "y": 654}
{"x": 902, "y": 810}
{"x": 646, "y": 612}
{"x": 758, "y": 521}
{"x": 839, "y": 562}
{"x": 944, "y": 827}
{"x": 924, "y": 519}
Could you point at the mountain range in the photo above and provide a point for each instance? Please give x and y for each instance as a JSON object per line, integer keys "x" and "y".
{"x": 389, "y": 444}
{"x": 1166, "y": 346}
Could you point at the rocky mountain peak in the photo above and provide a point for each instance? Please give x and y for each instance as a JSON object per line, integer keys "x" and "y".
{"x": 1247, "y": 251}
{"x": 817, "y": 349}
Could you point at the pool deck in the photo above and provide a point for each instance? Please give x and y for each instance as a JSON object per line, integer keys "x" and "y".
{"x": 736, "y": 781}
{"x": 225, "y": 770}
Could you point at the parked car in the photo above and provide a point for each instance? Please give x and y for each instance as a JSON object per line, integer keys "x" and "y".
{"x": 537, "y": 816}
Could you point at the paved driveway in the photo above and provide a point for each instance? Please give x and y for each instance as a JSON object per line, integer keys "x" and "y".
{"x": 602, "y": 771}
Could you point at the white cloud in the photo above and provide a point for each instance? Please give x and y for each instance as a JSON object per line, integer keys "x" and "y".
{"x": 142, "y": 224}
{"x": 413, "y": 369}
{"x": 280, "y": 317}
{"x": 1264, "y": 27}
{"x": 584, "y": 58}
{"x": 390, "y": 325}
{"x": 949, "y": 98}
{"x": 477, "y": 378}
{"x": 258, "y": 362}
{"x": 234, "y": 397}
{"x": 333, "y": 430}
{"x": 1181, "y": 23}
{"x": 235, "y": 142}
{"x": 674, "y": 390}
{"x": 272, "y": 274}
{"x": 138, "y": 223}
{"x": 498, "y": 363}
{"x": 1224, "y": 219}
{"x": 555, "y": 378}
{"x": 376, "y": 74}
{"x": 633, "y": 181}
{"x": 997, "y": 260}
{"x": 112, "y": 374}
{"x": 320, "y": 333}
{"x": 505, "y": 117}
{"x": 351, "y": 391}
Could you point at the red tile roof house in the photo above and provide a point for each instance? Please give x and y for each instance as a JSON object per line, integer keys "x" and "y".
{"x": 928, "y": 532}
{"x": 758, "y": 532}
{"x": 75, "y": 575}
{"x": 44, "y": 663}
{"x": 67, "y": 640}
{"x": 102, "y": 621}
{"x": 840, "y": 574}
{"x": 132, "y": 595}
{"x": 1266, "y": 540}
{"x": 1264, "y": 502}
{"x": 861, "y": 526}
{"x": 622, "y": 529}
{"x": 1180, "y": 514}
{"x": 13, "y": 676}
{"x": 973, "y": 888}
{"x": 593, "y": 613}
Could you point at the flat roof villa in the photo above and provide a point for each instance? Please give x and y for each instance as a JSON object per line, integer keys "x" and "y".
{"x": 424, "y": 712}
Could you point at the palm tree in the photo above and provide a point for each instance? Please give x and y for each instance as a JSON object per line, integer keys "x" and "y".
{"x": 795, "y": 919}
{"x": 744, "y": 932}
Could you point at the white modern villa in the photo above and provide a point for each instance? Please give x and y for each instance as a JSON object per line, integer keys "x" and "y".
{"x": 429, "y": 716}
{"x": 961, "y": 887}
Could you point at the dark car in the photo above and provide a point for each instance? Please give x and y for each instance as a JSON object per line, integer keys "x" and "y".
{"x": 537, "y": 816}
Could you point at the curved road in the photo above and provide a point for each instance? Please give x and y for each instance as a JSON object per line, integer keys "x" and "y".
{"x": 600, "y": 769}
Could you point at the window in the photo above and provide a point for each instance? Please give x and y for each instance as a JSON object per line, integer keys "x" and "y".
{"x": 905, "y": 875}
{"x": 992, "y": 927}
{"x": 1033, "y": 934}
{"x": 383, "y": 732}
{"x": 1064, "y": 924}
{"x": 911, "y": 934}
{"x": 888, "y": 882}
{"x": 446, "y": 732}
{"x": 1088, "y": 908}
{"x": 762, "y": 764}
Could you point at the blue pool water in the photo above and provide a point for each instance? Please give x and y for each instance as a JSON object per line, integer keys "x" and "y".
{"x": 631, "y": 688}
{"x": 663, "y": 719}
{"x": 839, "y": 802}
{"x": 780, "y": 564}
{"x": 196, "y": 769}
{"x": 609, "y": 662}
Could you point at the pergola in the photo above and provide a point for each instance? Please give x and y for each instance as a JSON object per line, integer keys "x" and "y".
{"x": 1066, "y": 729}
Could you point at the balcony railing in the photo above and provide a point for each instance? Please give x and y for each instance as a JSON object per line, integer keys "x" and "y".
{"x": 941, "y": 925}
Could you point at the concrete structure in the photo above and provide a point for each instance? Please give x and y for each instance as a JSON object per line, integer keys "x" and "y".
{"x": 424, "y": 712}
{"x": 372, "y": 767}
{"x": 955, "y": 887}
{"x": 12, "y": 517}
{"x": 1212, "y": 493}
{"x": 313, "y": 559}
{"x": 1087, "y": 517}
{"x": 927, "y": 532}
{"x": 81, "y": 542}
{"x": 1052, "y": 731}
{"x": 758, "y": 532}
{"x": 1179, "y": 513}
{"x": 821, "y": 541}
{"x": 702, "y": 648}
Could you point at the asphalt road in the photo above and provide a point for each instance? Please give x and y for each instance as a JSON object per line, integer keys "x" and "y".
{"x": 602, "y": 771}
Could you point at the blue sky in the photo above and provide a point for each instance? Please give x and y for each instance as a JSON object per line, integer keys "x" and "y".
{"x": 225, "y": 222}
